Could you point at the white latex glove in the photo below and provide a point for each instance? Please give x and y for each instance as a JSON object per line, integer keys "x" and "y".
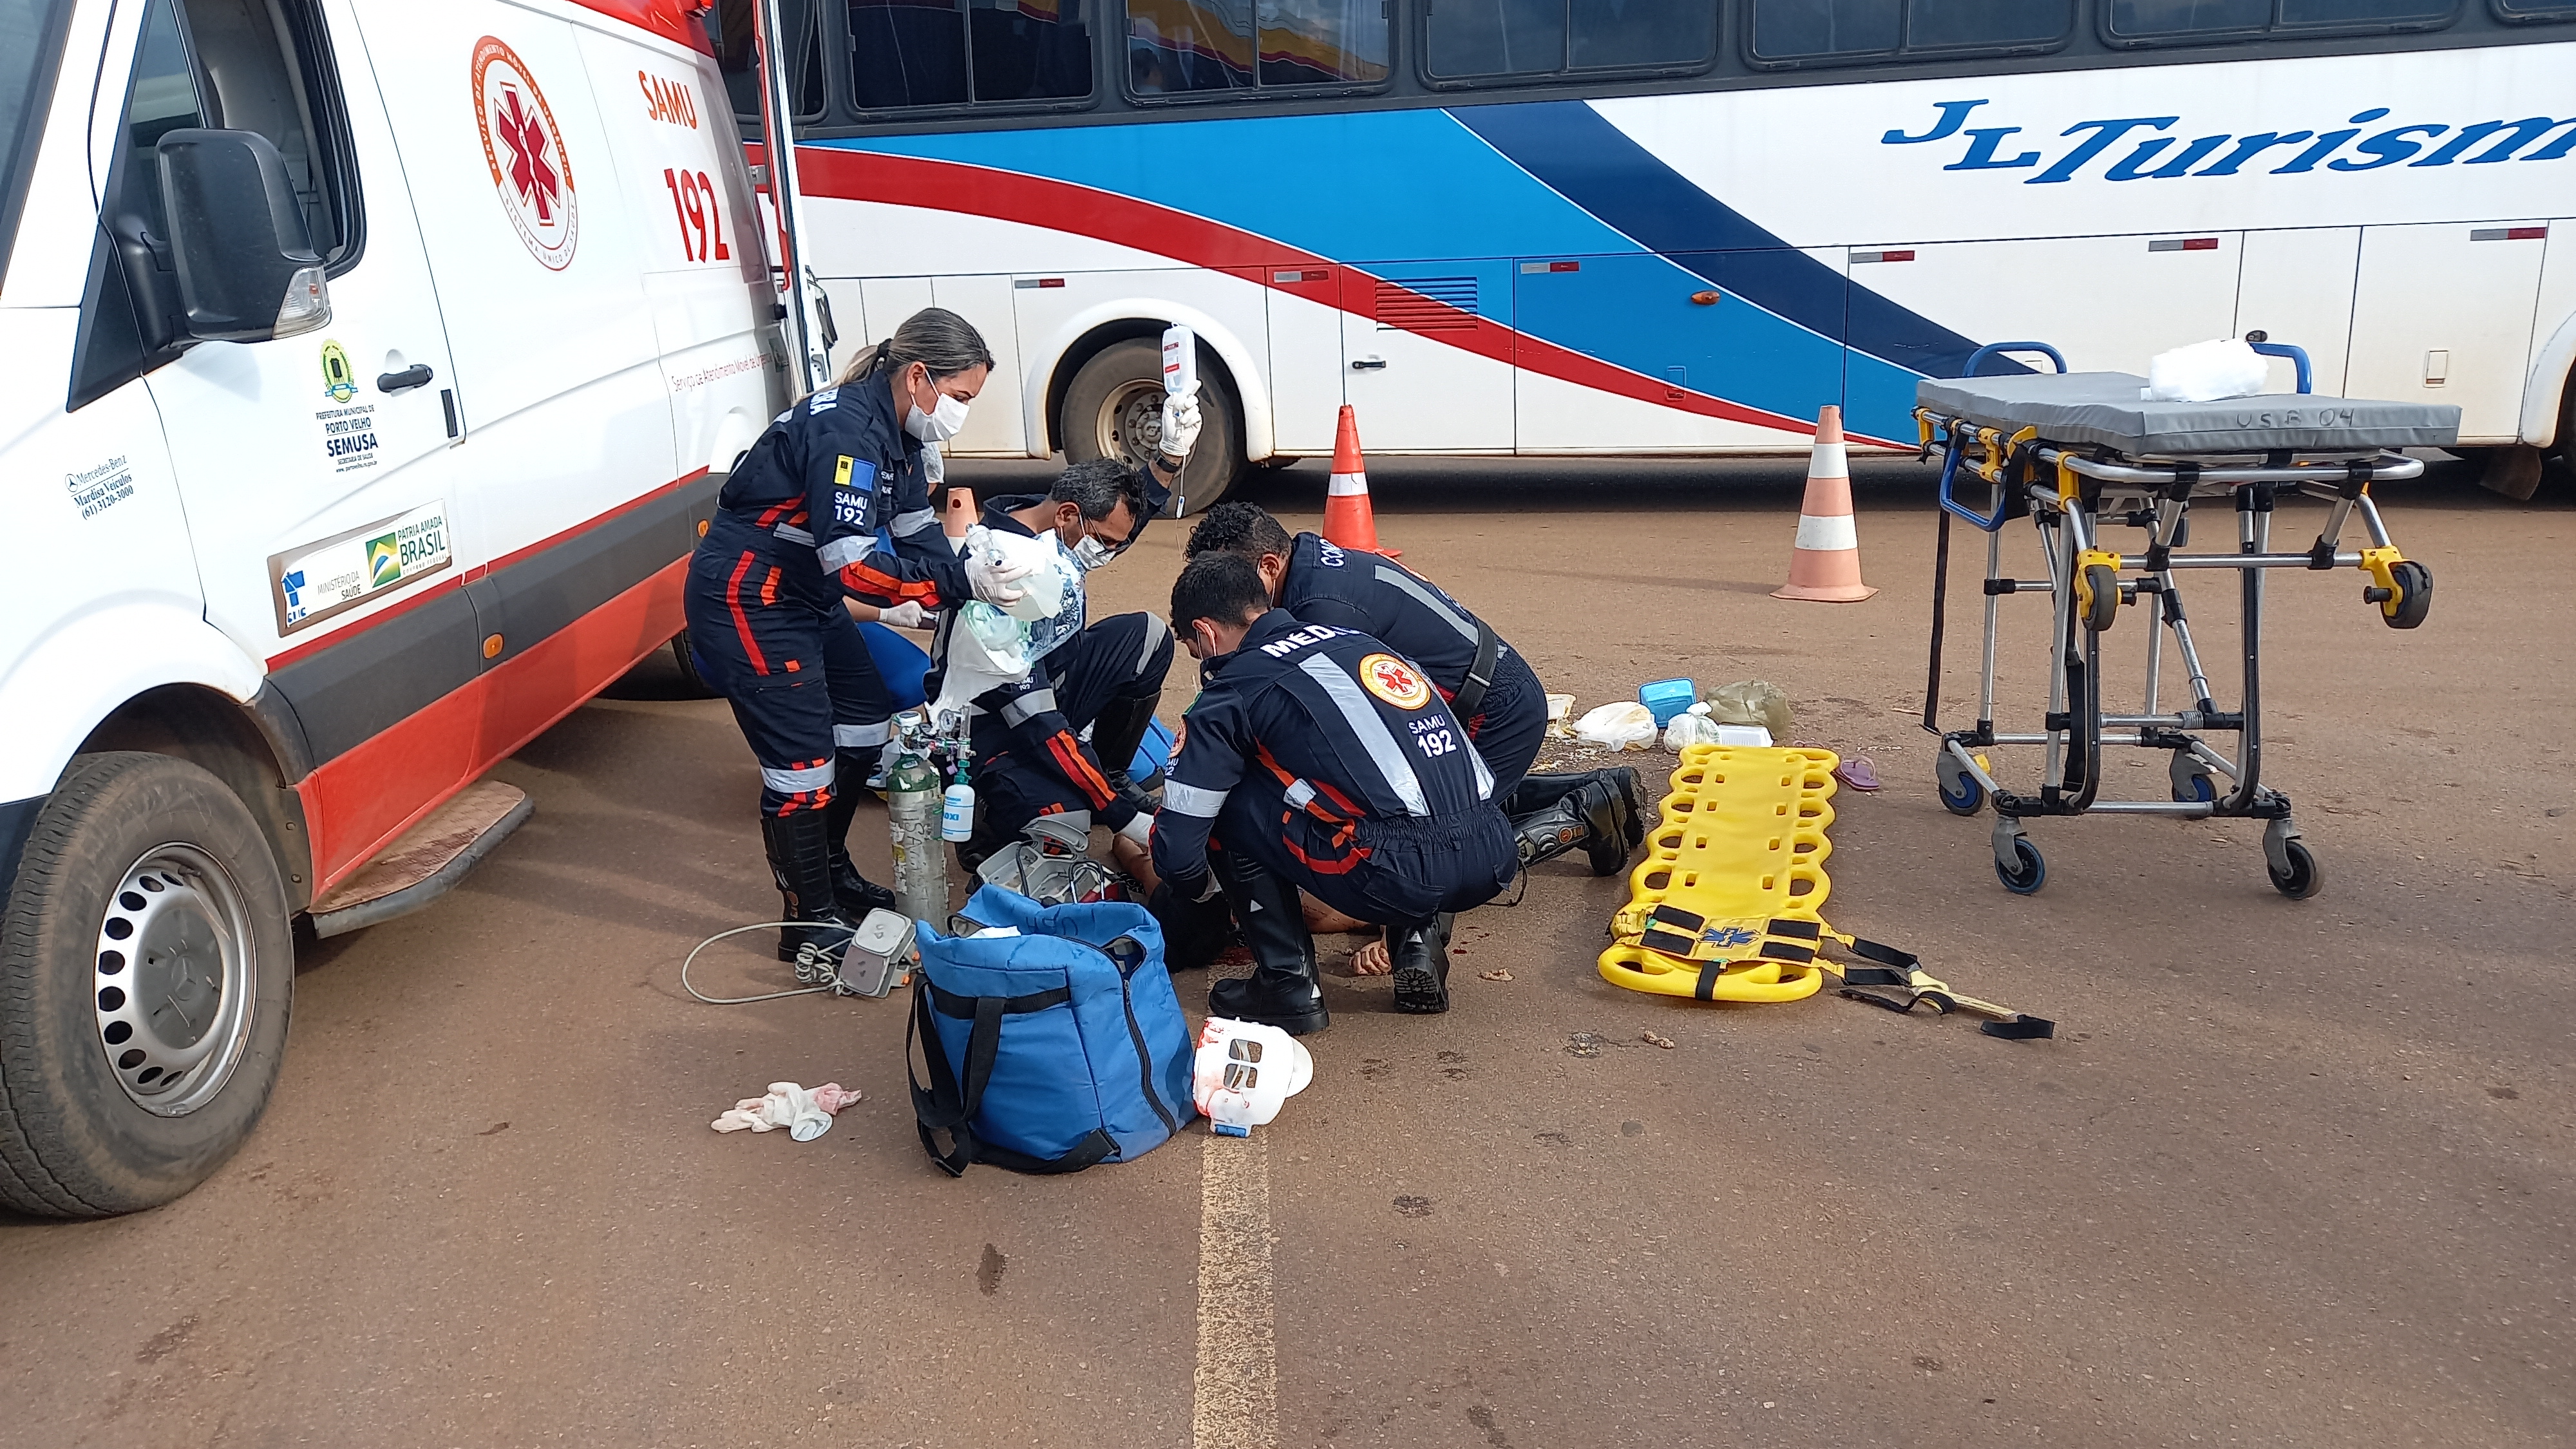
{"x": 1180, "y": 423}
{"x": 990, "y": 577}
{"x": 1139, "y": 830}
{"x": 907, "y": 615}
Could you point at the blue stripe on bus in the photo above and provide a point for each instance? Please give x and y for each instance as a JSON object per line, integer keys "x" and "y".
{"x": 1595, "y": 165}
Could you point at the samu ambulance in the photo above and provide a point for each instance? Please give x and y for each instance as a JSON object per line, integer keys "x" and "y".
{"x": 370, "y": 366}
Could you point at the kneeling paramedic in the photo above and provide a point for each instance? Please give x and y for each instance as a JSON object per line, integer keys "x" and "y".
{"x": 1487, "y": 684}
{"x": 1025, "y": 735}
{"x": 1316, "y": 757}
{"x": 801, "y": 523}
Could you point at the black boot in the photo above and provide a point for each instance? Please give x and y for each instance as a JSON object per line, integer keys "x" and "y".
{"x": 1538, "y": 792}
{"x": 854, "y": 893}
{"x": 1282, "y": 990}
{"x": 1419, "y": 955}
{"x": 1594, "y": 815}
{"x": 800, "y": 861}
{"x": 1117, "y": 731}
{"x": 1195, "y": 933}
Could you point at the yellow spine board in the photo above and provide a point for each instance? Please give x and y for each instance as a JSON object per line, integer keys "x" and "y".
{"x": 1740, "y": 846}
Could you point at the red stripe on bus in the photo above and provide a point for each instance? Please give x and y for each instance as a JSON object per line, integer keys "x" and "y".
{"x": 1041, "y": 201}
{"x": 367, "y": 797}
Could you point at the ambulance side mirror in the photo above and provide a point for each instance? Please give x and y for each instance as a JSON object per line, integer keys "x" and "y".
{"x": 246, "y": 266}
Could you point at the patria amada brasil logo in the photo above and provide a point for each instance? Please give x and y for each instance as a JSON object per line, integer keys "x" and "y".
{"x": 524, "y": 148}
{"x": 2137, "y": 153}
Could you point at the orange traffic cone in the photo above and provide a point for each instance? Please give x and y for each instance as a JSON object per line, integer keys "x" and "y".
{"x": 1349, "y": 521}
{"x": 1826, "y": 564}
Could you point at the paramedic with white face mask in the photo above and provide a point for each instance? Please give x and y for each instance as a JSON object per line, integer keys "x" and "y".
{"x": 812, "y": 515}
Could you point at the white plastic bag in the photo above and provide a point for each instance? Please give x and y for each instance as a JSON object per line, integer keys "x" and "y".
{"x": 1625, "y": 725}
{"x": 1691, "y": 727}
{"x": 1560, "y": 716}
{"x": 2205, "y": 372}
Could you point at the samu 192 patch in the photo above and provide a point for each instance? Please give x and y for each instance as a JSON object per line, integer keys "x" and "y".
{"x": 854, "y": 482}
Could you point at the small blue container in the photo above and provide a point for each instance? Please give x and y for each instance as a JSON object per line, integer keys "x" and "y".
{"x": 1667, "y": 697}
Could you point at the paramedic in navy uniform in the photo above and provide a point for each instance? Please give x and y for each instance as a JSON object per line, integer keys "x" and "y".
{"x": 1315, "y": 757}
{"x": 1487, "y": 684}
{"x": 809, "y": 517}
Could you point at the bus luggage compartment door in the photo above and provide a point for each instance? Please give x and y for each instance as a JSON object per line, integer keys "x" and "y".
{"x": 2444, "y": 315}
{"x": 1426, "y": 354}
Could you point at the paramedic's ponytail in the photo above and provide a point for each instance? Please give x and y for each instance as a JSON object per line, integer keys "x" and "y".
{"x": 947, "y": 343}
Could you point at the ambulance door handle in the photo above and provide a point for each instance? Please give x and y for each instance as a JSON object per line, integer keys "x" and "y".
{"x": 1367, "y": 364}
{"x": 416, "y": 375}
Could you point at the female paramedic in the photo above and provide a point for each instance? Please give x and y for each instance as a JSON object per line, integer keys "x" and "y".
{"x": 809, "y": 516}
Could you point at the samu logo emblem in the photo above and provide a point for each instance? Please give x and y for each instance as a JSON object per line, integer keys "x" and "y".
{"x": 1395, "y": 681}
{"x": 338, "y": 383}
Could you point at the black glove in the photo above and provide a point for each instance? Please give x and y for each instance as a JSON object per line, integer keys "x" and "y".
{"x": 1194, "y": 931}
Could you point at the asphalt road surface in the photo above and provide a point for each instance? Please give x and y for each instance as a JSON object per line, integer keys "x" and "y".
{"x": 2291, "y": 1173}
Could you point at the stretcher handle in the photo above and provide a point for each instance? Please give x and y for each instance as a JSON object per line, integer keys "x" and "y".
{"x": 1950, "y": 456}
{"x": 1997, "y": 349}
{"x": 2298, "y": 356}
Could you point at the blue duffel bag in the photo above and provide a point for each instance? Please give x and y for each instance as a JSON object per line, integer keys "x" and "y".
{"x": 1052, "y": 1049}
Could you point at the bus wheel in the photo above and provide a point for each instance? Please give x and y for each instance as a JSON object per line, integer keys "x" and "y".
{"x": 146, "y": 968}
{"x": 1114, "y": 409}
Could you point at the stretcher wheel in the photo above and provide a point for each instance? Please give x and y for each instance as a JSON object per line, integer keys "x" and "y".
{"x": 2196, "y": 786}
{"x": 2414, "y": 595}
{"x": 2303, "y": 879}
{"x": 1960, "y": 792}
{"x": 2102, "y": 596}
{"x": 2033, "y": 872}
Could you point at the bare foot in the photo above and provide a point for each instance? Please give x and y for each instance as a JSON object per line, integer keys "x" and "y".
{"x": 1370, "y": 960}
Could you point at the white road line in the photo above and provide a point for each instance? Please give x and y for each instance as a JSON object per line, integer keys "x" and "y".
{"x": 1236, "y": 1385}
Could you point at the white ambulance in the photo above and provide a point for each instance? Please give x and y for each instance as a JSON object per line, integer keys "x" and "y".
{"x": 370, "y": 366}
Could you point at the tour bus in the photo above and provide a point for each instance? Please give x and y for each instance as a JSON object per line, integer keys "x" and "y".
{"x": 1682, "y": 226}
{"x": 372, "y": 366}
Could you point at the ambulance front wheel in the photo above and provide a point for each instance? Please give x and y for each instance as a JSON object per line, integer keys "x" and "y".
{"x": 146, "y": 968}
{"x": 1113, "y": 408}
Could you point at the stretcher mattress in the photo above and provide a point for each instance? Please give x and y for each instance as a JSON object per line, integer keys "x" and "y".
{"x": 2105, "y": 409}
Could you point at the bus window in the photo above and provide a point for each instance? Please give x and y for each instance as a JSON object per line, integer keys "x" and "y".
{"x": 1847, "y": 30}
{"x": 2185, "y": 22}
{"x": 2524, "y": 11}
{"x": 1176, "y": 47}
{"x": 1537, "y": 37}
{"x": 730, "y": 36}
{"x": 959, "y": 52}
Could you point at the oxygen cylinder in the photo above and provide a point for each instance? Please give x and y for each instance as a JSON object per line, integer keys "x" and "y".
{"x": 957, "y": 810}
{"x": 912, "y": 814}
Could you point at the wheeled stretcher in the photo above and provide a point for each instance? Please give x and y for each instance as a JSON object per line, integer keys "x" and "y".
{"x": 2080, "y": 452}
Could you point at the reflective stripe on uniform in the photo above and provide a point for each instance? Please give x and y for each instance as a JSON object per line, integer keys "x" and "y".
{"x": 797, "y": 782}
{"x": 905, "y": 525}
{"x": 1384, "y": 749}
{"x": 1484, "y": 776}
{"x": 1155, "y": 629}
{"x": 1299, "y": 794}
{"x": 1827, "y": 533}
{"x": 1192, "y": 800}
{"x": 862, "y": 736}
{"x": 792, "y": 534}
{"x": 1020, "y": 709}
{"x": 1427, "y": 599}
{"x": 840, "y": 553}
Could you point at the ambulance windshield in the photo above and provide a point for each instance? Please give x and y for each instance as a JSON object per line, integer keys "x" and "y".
{"x": 31, "y": 33}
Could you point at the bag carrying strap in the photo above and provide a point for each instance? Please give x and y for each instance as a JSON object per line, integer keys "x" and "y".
{"x": 1480, "y": 675}
{"x": 949, "y": 1104}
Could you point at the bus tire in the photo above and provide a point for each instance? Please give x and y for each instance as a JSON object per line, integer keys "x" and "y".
{"x": 143, "y": 875}
{"x": 1114, "y": 407}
